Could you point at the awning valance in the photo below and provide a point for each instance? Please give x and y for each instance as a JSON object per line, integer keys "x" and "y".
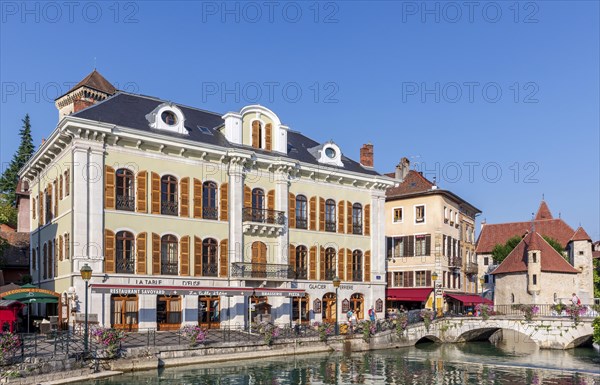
{"x": 405, "y": 294}
{"x": 32, "y": 294}
{"x": 469, "y": 299}
{"x": 195, "y": 290}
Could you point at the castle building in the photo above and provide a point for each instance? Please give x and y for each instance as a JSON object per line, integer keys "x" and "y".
{"x": 192, "y": 217}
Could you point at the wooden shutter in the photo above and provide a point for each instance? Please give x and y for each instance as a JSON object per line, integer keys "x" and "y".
{"x": 184, "y": 255}
{"x": 255, "y": 133}
{"x": 109, "y": 251}
{"x": 340, "y": 272}
{"x": 54, "y": 259}
{"x": 155, "y": 254}
{"x": 313, "y": 213}
{"x": 60, "y": 247}
{"x": 321, "y": 214}
{"x": 292, "y": 211}
{"x": 428, "y": 278}
{"x": 184, "y": 191}
{"x": 349, "y": 228}
{"x": 197, "y": 257}
{"x": 367, "y": 220}
{"x": 410, "y": 246}
{"x": 197, "y": 198}
{"x": 155, "y": 206}
{"x": 341, "y": 217}
{"x": 41, "y": 208}
{"x": 269, "y": 136}
{"x": 109, "y": 187}
{"x": 313, "y": 262}
{"x": 292, "y": 257}
{"x": 224, "y": 201}
{"x": 428, "y": 245}
{"x": 55, "y": 198}
{"x": 247, "y": 197}
{"x": 322, "y": 263}
{"x": 60, "y": 187}
{"x": 348, "y": 264}
{"x": 271, "y": 200}
{"x": 141, "y": 253}
{"x": 367, "y": 257}
{"x": 224, "y": 259}
{"x": 389, "y": 279}
{"x": 142, "y": 196}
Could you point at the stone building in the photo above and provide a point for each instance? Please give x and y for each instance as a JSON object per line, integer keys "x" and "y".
{"x": 192, "y": 217}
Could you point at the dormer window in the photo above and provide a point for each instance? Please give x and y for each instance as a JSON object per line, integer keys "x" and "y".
{"x": 169, "y": 118}
{"x": 330, "y": 152}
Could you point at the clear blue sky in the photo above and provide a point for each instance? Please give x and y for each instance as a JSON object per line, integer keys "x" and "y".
{"x": 367, "y": 72}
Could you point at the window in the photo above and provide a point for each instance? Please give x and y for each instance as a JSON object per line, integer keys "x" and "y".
{"x": 451, "y": 218}
{"x": 512, "y": 298}
{"x": 580, "y": 252}
{"x": 486, "y": 261}
{"x": 329, "y": 264}
{"x": 258, "y": 204}
{"x": 169, "y": 118}
{"x": 168, "y": 189}
{"x": 534, "y": 257}
{"x": 420, "y": 278}
{"x": 398, "y": 214}
{"x": 48, "y": 206}
{"x": 33, "y": 208}
{"x": 125, "y": 254}
{"x": 445, "y": 214}
{"x": 168, "y": 255}
{"x": 208, "y": 312}
{"x": 420, "y": 245}
{"x": 67, "y": 183}
{"x": 67, "y": 246}
{"x": 209, "y": 200}
{"x": 257, "y": 134}
{"x": 210, "y": 264}
{"x": 420, "y": 214}
{"x": 328, "y": 308}
{"x": 357, "y": 266}
{"x": 168, "y": 312}
{"x": 535, "y": 279}
{"x": 124, "y": 312}
{"x": 301, "y": 263}
{"x": 357, "y": 305}
{"x": 356, "y": 218}
{"x": 125, "y": 194}
{"x": 300, "y": 312}
{"x": 301, "y": 212}
{"x": 398, "y": 279}
{"x": 34, "y": 259}
{"x": 330, "y": 215}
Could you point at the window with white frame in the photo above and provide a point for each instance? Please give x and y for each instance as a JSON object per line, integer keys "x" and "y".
{"x": 420, "y": 214}
{"x": 397, "y": 214}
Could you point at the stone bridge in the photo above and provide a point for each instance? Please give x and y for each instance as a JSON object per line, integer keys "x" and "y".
{"x": 547, "y": 333}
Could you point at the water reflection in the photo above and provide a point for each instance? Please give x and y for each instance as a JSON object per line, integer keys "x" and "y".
{"x": 471, "y": 363}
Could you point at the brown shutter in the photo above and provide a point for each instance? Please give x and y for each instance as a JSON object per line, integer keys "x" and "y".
{"x": 184, "y": 191}
{"x": 322, "y": 263}
{"x": 292, "y": 211}
{"x": 349, "y": 228}
{"x": 60, "y": 187}
{"x": 269, "y": 136}
{"x": 321, "y": 214}
{"x": 197, "y": 198}
{"x": 60, "y": 247}
{"x": 368, "y": 266}
{"x": 367, "y": 220}
{"x": 348, "y": 264}
{"x": 224, "y": 259}
{"x": 41, "y": 208}
{"x": 55, "y": 198}
{"x": 155, "y": 207}
{"x": 224, "y": 201}
{"x": 184, "y": 255}
{"x": 109, "y": 187}
{"x": 292, "y": 257}
{"x": 155, "y": 254}
{"x": 271, "y": 200}
{"x": 247, "y": 196}
{"x": 197, "y": 257}
{"x": 313, "y": 213}
{"x": 313, "y": 262}
{"x": 67, "y": 246}
{"x": 428, "y": 278}
{"x": 341, "y": 217}
{"x": 141, "y": 253}
{"x": 255, "y": 133}
{"x": 54, "y": 258}
{"x": 340, "y": 272}
{"x": 142, "y": 196}
{"x": 109, "y": 251}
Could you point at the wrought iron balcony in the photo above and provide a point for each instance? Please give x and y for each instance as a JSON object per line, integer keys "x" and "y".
{"x": 471, "y": 268}
{"x": 330, "y": 226}
{"x": 125, "y": 266}
{"x": 260, "y": 270}
{"x": 455, "y": 263}
{"x": 329, "y": 274}
{"x": 357, "y": 276}
{"x": 210, "y": 270}
{"x": 298, "y": 274}
{"x": 168, "y": 268}
{"x": 168, "y": 208}
{"x": 301, "y": 223}
{"x": 125, "y": 202}
{"x": 210, "y": 213}
{"x": 357, "y": 228}
{"x": 272, "y": 217}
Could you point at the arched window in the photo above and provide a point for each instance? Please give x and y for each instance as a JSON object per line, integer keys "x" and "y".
{"x": 330, "y": 263}
{"x": 329, "y": 308}
{"x": 357, "y": 305}
{"x": 210, "y": 264}
{"x": 125, "y": 254}
{"x": 34, "y": 259}
{"x": 168, "y": 195}
{"x": 45, "y": 260}
{"x": 357, "y": 215}
{"x": 168, "y": 255}
{"x": 301, "y": 212}
{"x": 300, "y": 312}
{"x": 301, "y": 262}
{"x": 209, "y": 200}
{"x": 330, "y": 215}
{"x": 512, "y": 298}
{"x": 357, "y": 262}
{"x": 124, "y": 186}
{"x": 258, "y": 204}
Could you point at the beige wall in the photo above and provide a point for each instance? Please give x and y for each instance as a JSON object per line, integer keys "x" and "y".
{"x": 552, "y": 283}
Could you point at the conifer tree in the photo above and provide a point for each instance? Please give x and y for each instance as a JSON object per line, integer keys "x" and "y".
{"x": 10, "y": 177}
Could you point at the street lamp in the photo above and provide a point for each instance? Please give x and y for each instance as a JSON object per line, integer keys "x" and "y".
{"x": 86, "y": 275}
{"x": 336, "y": 284}
{"x": 434, "y": 277}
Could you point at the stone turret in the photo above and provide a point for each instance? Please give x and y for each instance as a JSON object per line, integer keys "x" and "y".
{"x": 579, "y": 250}
{"x": 93, "y": 89}
{"x": 534, "y": 265}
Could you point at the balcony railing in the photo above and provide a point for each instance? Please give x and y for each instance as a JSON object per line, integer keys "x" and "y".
{"x": 210, "y": 213}
{"x": 329, "y": 274}
{"x": 301, "y": 223}
{"x": 330, "y": 226}
{"x": 168, "y": 208}
{"x": 126, "y": 266}
{"x": 210, "y": 270}
{"x": 455, "y": 262}
{"x": 260, "y": 270}
{"x": 357, "y": 228}
{"x": 299, "y": 274}
{"x": 168, "y": 268}
{"x": 471, "y": 268}
{"x": 272, "y": 217}
{"x": 357, "y": 276}
{"x": 125, "y": 202}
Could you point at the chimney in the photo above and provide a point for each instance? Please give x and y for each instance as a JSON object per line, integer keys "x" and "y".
{"x": 402, "y": 169}
{"x": 366, "y": 155}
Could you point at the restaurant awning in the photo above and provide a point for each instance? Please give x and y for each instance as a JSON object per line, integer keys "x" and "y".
{"x": 31, "y": 294}
{"x": 414, "y": 295}
{"x": 469, "y": 299}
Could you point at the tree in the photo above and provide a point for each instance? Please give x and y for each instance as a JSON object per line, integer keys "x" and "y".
{"x": 500, "y": 252}
{"x": 556, "y": 246}
{"x": 8, "y": 213}
{"x": 10, "y": 177}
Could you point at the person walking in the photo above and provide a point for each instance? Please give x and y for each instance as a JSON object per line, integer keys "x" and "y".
{"x": 575, "y": 300}
{"x": 372, "y": 314}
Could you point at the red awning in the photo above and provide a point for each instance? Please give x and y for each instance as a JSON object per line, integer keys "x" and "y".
{"x": 469, "y": 299}
{"x": 416, "y": 295}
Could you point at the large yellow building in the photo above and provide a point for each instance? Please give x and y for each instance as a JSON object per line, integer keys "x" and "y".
{"x": 188, "y": 216}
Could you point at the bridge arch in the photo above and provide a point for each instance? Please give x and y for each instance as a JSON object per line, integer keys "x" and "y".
{"x": 428, "y": 338}
{"x": 585, "y": 340}
{"x": 479, "y": 334}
